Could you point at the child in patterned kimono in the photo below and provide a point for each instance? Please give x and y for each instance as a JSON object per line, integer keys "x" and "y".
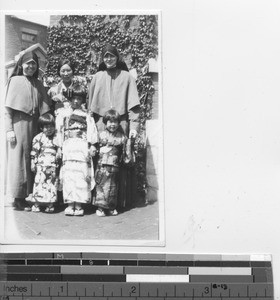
{"x": 77, "y": 140}
{"x": 43, "y": 164}
{"x": 112, "y": 145}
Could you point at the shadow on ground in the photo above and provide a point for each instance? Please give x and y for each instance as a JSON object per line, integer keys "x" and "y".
{"x": 138, "y": 223}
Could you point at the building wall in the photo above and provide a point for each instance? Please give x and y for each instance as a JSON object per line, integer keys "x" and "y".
{"x": 14, "y": 39}
{"x": 153, "y": 139}
{"x": 155, "y": 107}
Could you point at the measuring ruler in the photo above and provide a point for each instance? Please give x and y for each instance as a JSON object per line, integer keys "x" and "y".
{"x": 115, "y": 276}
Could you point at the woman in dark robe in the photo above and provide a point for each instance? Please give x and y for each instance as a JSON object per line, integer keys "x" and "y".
{"x": 26, "y": 100}
{"x": 113, "y": 87}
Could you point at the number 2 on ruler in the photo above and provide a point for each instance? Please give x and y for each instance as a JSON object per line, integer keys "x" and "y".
{"x": 133, "y": 289}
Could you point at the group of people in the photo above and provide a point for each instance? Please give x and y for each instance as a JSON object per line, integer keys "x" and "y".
{"x": 69, "y": 142}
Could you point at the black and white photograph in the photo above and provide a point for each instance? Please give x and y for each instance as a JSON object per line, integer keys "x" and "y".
{"x": 83, "y": 159}
{"x": 146, "y": 131}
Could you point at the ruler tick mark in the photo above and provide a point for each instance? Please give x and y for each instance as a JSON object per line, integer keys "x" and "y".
{"x": 56, "y": 288}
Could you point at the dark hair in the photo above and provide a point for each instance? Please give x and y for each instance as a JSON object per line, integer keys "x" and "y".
{"x": 120, "y": 65}
{"x": 18, "y": 70}
{"x": 113, "y": 50}
{"x": 78, "y": 91}
{"x": 65, "y": 61}
{"x": 46, "y": 119}
{"x": 111, "y": 115}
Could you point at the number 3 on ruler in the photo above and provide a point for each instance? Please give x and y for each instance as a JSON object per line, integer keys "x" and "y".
{"x": 206, "y": 290}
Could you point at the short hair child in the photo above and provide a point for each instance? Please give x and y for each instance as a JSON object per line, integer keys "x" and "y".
{"x": 77, "y": 91}
{"x": 77, "y": 139}
{"x": 46, "y": 119}
{"x": 112, "y": 142}
{"x": 111, "y": 115}
{"x": 44, "y": 165}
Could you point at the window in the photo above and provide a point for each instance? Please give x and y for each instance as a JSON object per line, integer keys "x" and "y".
{"x": 28, "y": 37}
{"x": 27, "y": 40}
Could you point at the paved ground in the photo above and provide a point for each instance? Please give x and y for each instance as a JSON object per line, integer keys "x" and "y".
{"x": 140, "y": 223}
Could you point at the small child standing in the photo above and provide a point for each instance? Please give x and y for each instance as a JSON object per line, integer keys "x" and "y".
{"x": 43, "y": 164}
{"x": 112, "y": 143}
{"x": 77, "y": 139}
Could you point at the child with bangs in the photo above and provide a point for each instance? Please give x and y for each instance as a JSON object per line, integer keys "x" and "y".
{"x": 44, "y": 165}
{"x": 76, "y": 139}
{"x": 112, "y": 143}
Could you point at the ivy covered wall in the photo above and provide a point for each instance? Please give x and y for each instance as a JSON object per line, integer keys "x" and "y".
{"x": 81, "y": 38}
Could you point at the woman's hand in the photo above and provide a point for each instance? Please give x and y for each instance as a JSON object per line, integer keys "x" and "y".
{"x": 11, "y": 137}
{"x": 92, "y": 151}
{"x": 132, "y": 134}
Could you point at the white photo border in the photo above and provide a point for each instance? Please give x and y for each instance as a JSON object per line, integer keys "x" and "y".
{"x": 161, "y": 222}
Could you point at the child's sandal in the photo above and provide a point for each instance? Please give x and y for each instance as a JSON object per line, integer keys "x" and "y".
{"x": 113, "y": 212}
{"x": 69, "y": 211}
{"x": 79, "y": 212}
{"x": 100, "y": 212}
{"x": 49, "y": 209}
{"x": 35, "y": 208}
